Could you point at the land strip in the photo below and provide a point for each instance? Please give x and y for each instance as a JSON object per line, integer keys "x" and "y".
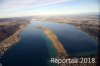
{"x": 61, "y": 51}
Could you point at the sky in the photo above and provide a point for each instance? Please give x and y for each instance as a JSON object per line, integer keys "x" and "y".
{"x": 16, "y": 8}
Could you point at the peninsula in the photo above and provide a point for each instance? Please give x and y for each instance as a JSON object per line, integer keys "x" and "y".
{"x": 59, "y": 47}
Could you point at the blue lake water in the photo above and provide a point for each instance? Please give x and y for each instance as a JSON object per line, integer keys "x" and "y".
{"x": 35, "y": 49}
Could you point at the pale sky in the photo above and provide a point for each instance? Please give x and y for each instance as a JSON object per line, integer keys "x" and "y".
{"x": 15, "y": 8}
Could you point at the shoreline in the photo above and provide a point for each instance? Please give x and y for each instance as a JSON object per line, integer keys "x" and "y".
{"x": 12, "y": 40}
{"x": 88, "y": 24}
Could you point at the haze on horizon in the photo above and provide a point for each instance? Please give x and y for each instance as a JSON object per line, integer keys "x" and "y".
{"x": 15, "y": 8}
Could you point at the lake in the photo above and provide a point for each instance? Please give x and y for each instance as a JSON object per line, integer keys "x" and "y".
{"x": 35, "y": 48}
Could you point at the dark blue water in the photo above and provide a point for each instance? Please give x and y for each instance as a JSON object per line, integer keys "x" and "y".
{"x": 34, "y": 47}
